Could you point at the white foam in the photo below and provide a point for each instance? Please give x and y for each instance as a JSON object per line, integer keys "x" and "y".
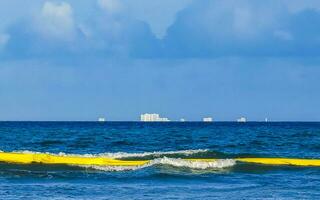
{"x": 125, "y": 154}
{"x": 175, "y": 162}
{"x": 155, "y": 153}
{"x": 114, "y": 168}
{"x": 178, "y": 162}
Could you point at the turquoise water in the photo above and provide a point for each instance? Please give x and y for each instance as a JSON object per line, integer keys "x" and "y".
{"x": 164, "y": 143}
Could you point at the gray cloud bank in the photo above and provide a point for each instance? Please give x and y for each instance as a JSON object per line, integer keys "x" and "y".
{"x": 204, "y": 29}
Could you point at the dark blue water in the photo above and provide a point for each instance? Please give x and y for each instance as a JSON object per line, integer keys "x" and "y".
{"x": 162, "y": 180}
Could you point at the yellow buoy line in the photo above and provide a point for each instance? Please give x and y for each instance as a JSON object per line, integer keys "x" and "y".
{"x": 43, "y": 158}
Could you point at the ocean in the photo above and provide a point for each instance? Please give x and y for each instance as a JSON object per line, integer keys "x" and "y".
{"x": 167, "y": 176}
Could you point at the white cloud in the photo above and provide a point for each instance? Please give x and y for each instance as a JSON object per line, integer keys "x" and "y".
{"x": 56, "y": 20}
{"x": 158, "y": 14}
{"x": 111, "y": 6}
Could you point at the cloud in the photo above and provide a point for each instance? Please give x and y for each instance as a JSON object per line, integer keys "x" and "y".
{"x": 207, "y": 28}
{"x": 51, "y": 32}
{"x": 158, "y": 14}
{"x": 54, "y": 33}
{"x": 111, "y": 6}
{"x": 56, "y": 20}
{"x": 150, "y": 12}
{"x": 242, "y": 28}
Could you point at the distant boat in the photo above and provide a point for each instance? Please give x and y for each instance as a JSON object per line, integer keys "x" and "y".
{"x": 101, "y": 119}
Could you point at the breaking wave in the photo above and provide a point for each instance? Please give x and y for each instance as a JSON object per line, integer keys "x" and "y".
{"x": 157, "y": 158}
{"x": 174, "y": 162}
{"x": 122, "y": 155}
{"x": 154, "y": 154}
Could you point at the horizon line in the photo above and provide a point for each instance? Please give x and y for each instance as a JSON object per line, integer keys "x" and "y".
{"x": 172, "y": 121}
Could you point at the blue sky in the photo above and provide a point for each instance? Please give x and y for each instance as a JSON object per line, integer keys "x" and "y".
{"x": 78, "y": 60}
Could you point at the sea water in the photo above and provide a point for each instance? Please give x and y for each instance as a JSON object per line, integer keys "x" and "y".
{"x": 167, "y": 175}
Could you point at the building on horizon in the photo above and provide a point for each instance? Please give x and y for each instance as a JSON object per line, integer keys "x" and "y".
{"x": 182, "y": 120}
{"x": 148, "y": 117}
{"x": 207, "y": 119}
{"x": 242, "y": 119}
{"x": 101, "y": 119}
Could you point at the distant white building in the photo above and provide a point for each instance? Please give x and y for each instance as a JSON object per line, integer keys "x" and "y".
{"x": 242, "y": 119}
{"x": 182, "y": 120}
{"x": 147, "y": 117}
{"x": 101, "y": 119}
{"x": 207, "y": 119}
{"x": 266, "y": 120}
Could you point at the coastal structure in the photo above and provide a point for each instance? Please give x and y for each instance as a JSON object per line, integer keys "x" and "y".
{"x": 101, "y": 119}
{"x": 182, "y": 120}
{"x": 242, "y": 120}
{"x": 207, "y": 119}
{"x": 147, "y": 117}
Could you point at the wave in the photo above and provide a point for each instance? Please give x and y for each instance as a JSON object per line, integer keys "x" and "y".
{"x": 120, "y": 155}
{"x": 123, "y": 155}
{"x": 175, "y": 162}
{"x": 157, "y": 158}
{"x": 199, "y": 159}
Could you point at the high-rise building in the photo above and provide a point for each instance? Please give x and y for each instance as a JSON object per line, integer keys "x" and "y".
{"x": 101, "y": 119}
{"x": 147, "y": 117}
{"x": 242, "y": 119}
{"x": 207, "y": 119}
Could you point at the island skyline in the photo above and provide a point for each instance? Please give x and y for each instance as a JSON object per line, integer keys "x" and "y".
{"x": 64, "y": 60}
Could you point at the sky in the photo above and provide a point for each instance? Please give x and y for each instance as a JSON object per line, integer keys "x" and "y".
{"x": 80, "y": 60}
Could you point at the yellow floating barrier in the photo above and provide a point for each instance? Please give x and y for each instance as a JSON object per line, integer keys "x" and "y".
{"x": 29, "y": 158}
{"x": 282, "y": 161}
